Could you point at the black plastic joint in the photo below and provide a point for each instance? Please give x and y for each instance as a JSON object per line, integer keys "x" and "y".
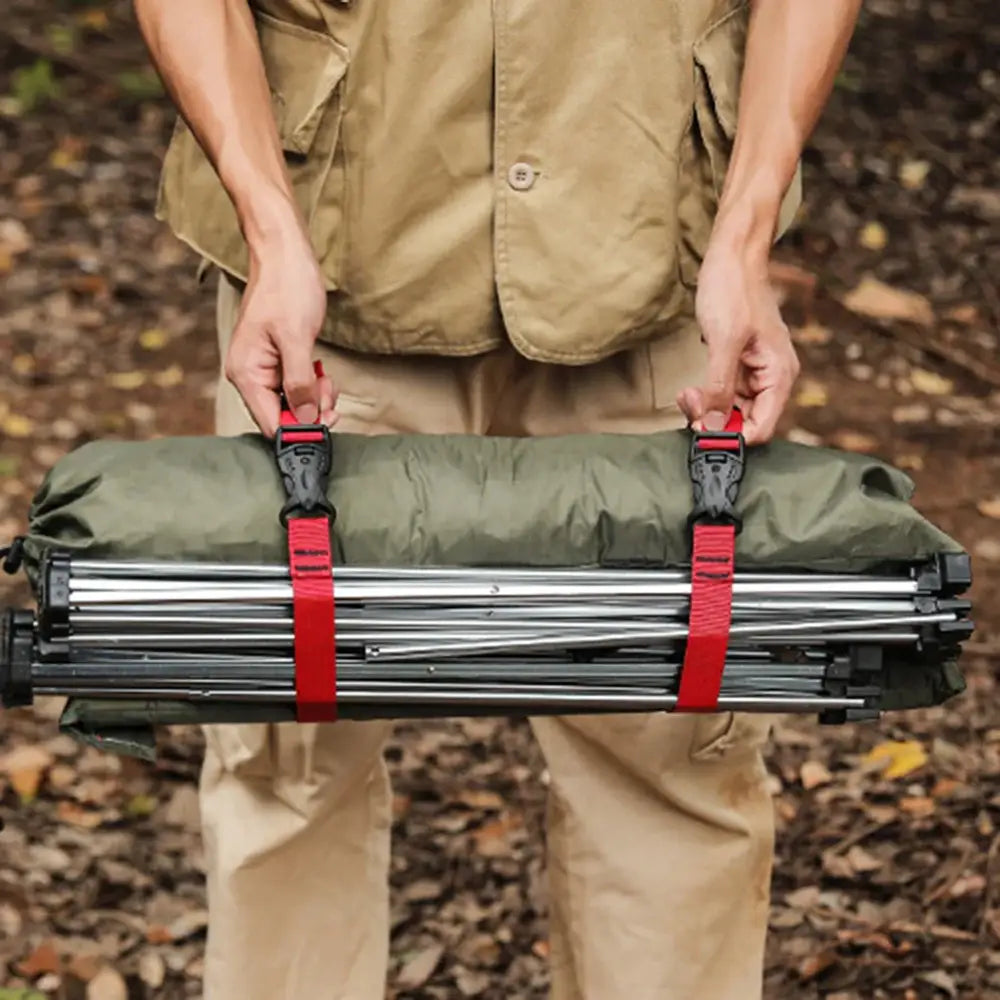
{"x": 305, "y": 470}
{"x": 53, "y": 597}
{"x": 16, "y": 650}
{"x": 948, "y": 574}
{"x": 716, "y": 463}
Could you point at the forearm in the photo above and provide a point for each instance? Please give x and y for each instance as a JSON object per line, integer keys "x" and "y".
{"x": 794, "y": 50}
{"x": 209, "y": 58}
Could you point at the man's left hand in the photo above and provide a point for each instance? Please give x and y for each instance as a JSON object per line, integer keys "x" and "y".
{"x": 751, "y": 360}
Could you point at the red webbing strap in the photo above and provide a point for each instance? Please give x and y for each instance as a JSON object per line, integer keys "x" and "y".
{"x": 712, "y": 567}
{"x": 310, "y": 562}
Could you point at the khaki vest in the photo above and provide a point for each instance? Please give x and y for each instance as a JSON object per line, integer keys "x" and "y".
{"x": 540, "y": 170}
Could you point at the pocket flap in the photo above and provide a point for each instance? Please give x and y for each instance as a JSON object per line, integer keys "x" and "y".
{"x": 719, "y": 52}
{"x": 303, "y": 69}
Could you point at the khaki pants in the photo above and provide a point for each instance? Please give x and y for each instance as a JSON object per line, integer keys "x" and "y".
{"x": 660, "y": 829}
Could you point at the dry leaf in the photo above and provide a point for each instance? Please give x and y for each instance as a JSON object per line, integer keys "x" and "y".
{"x": 931, "y": 383}
{"x": 481, "y": 800}
{"x": 812, "y": 774}
{"x": 24, "y": 767}
{"x": 862, "y": 861}
{"x": 911, "y": 413}
{"x": 125, "y": 380}
{"x": 799, "y": 435}
{"x": 990, "y": 507}
{"x": 813, "y": 965}
{"x": 183, "y": 809}
{"x": 152, "y": 971}
{"x": 169, "y": 377}
{"x": 911, "y": 460}
{"x": 422, "y": 890}
{"x": 188, "y": 924}
{"x": 16, "y": 426}
{"x": 85, "y": 966}
{"x": 141, "y": 805}
{"x": 880, "y": 301}
{"x": 418, "y": 969}
{"x": 898, "y": 757}
{"x": 812, "y": 333}
{"x": 44, "y": 958}
{"x": 854, "y": 441}
{"x": 913, "y": 173}
{"x": 153, "y": 339}
{"x": 918, "y": 806}
{"x": 873, "y": 236}
{"x": 158, "y": 934}
{"x": 14, "y": 236}
{"x": 70, "y": 812}
{"x": 541, "y": 948}
{"x": 967, "y": 885}
{"x": 107, "y": 985}
{"x": 967, "y": 315}
{"x": 792, "y": 283}
{"x": 811, "y": 393}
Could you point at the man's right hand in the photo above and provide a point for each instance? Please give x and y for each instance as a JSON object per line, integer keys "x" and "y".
{"x": 272, "y": 345}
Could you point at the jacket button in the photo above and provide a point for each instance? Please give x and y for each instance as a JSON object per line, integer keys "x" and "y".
{"x": 521, "y": 176}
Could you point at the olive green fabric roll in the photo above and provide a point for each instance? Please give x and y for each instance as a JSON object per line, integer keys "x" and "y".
{"x": 582, "y": 500}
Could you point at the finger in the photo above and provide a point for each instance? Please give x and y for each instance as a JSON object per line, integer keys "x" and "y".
{"x": 719, "y": 389}
{"x": 302, "y": 387}
{"x": 327, "y": 396}
{"x": 260, "y": 399}
{"x": 329, "y": 417}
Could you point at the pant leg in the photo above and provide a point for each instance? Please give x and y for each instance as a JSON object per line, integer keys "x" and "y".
{"x": 660, "y": 827}
{"x": 297, "y": 817}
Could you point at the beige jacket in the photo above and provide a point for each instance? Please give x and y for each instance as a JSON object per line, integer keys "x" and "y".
{"x": 543, "y": 170}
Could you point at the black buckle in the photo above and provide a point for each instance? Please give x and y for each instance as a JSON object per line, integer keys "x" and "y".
{"x": 716, "y": 473}
{"x": 305, "y": 471}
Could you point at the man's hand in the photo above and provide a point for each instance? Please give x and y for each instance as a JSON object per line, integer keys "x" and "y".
{"x": 272, "y": 346}
{"x": 751, "y": 360}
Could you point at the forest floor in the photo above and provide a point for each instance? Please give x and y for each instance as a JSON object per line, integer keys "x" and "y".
{"x": 884, "y": 886}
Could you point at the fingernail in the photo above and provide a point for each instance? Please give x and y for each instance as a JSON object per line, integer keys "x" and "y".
{"x": 714, "y": 420}
{"x": 307, "y": 413}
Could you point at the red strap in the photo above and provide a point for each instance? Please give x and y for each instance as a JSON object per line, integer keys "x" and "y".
{"x": 712, "y": 566}
{"x": 311, "y": 565}
{"x": 310, "y": 562}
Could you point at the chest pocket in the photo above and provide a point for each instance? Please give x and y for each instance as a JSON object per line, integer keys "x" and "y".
{"x": 305, "y": 72}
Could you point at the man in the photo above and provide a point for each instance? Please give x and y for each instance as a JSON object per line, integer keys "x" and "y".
{"x": 493, "y": 215}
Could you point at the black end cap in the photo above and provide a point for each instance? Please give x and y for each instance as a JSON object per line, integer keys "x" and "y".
{"x": 17, "y": 643}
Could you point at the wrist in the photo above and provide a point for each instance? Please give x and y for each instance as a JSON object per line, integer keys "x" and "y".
{"x": 747, "y": 218}
{"x": 271, "y": 223}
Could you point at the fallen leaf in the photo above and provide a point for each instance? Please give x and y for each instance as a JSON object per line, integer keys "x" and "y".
{"x": 152, "y": 970}
{"x": 913, "y": 173}
{"x": 471, "y": 983}
{"x": 95, "y": 19}
{"x": 11, "y": 921}
{"x": 918, "y": 806}
{"x": 44, "y": 958}
{"x": 990, "y": 507}
{"x": 811, "y": 966}
{"x": 941, "y": 980}
{"x": 811, "y": 393}
{"x": 862, "y": 861}
{"x": 14, "y": 236}
{"x": 873, "y": 298}
{"x": 153, "y": 339}
{"x": 541, "y": 948}
{"x": 967, "y": 885}
{"x": 422, "y": 890}
{"x": 804, "y": 898}
{"x": 988, "y": 549}
{"x": 854, "y": 441}
{"x": 792, "y": 283}
{"x": 17, "y": 992}
{"x": 967, "y": 315}
{"x": 68, "y": 154}
{"x": 125, "y": 380}
{"x": 911, "y": 413}
{"x": 931, "y": 383}
{"x": 419, "y": 968}
{"x": 944, "y": 787}
{"x": 141, "y": 805}
{"x": 899, "y": 757}
{"x": 158, "y": 934}
{"x": 107, "y": 985}
{"x": 481, "y": 800}
{"x": 873, "y": 236}
{"x": 981, "y": 201}
{"x": 812, "y": 774}
{"x": 812, "y": 333}
{"x": 17, "y": 426}
{"x": 799, "y": 435}
{"x": 837, "y": 865}
{"x": 784, "y": 917}
{"x": 188, "y": 924}
{"x": 911, "y": 460}
{"x": 169, "y": 377}
{"x": 183, "y": 809}
{"x": 24, "y": 767}
{"x": 70, "y": 812}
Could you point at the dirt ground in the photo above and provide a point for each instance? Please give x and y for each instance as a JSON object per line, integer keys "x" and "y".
{"x": 883, "y": 887}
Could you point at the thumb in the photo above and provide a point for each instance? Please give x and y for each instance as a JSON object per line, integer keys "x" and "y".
{"x": 300, "y": 382}
{"x": 717, "y": 395}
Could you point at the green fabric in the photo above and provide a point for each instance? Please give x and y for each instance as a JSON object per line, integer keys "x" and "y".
{"x": 456, "y": 500}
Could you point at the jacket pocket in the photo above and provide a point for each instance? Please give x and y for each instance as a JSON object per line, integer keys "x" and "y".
{"x": 305, "y": 70}
{"x": 707, "y": 146}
